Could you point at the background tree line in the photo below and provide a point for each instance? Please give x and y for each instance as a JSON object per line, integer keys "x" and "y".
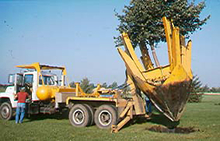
{"x": 88, "y": 87}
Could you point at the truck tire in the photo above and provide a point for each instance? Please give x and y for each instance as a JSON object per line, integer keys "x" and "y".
{"x": 79, "y": 116}
{"x": 106, "y": 116}
{"x": 6, "y": 112}
{"x": 91, "y": 110}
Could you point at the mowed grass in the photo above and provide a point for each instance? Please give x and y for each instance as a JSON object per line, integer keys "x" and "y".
{"x": 203, "y": 117}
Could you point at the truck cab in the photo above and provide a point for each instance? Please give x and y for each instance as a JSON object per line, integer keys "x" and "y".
{"x": 34, "y": 77}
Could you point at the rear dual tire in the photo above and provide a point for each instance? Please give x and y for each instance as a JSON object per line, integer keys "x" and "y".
{"x": 106, "y": 116}
{"x": 81, "y": 115}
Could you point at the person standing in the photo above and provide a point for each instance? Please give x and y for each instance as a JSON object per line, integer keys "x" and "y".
{"x": 148, "y": 106}
{"x": 20, "y": 110}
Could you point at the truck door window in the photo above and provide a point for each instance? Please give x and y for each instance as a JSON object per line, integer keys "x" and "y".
{"x": 11, "y": 79}
{"x": 19, "y": 79}
{"x": 28, "y": 79}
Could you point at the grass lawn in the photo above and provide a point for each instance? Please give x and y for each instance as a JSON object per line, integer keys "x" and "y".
{"x": 203, "y": 117}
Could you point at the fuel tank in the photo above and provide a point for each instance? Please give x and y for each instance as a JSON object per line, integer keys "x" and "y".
{"x": 49, "y": 92}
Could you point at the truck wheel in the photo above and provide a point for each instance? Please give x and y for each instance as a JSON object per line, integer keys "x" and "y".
{"x": 6, "y": 111}
{"x": 106, "y": 116}
{"x": 91, "y": 110}
{"x": 79, "y": 115}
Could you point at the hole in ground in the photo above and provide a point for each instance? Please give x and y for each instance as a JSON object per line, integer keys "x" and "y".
{"x": 179, "y": 130}
{"x": 217, "y": 104}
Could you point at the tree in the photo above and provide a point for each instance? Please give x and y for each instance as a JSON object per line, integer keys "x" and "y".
{"x": 85, "y": 84}
{"x": 142, "y": 20}
{"x": 114, "y": 85}
{"x": 196, "y": 90}
{"x": 215, "y": 89}
{"x": 205, "y": 88}
{"x": 72, "y": 84}
{"x": 104, "y": 85}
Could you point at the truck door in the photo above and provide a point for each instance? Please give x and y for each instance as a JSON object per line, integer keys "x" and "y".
{"x": 16, "y": 81}
{"x": 31, "y": 82}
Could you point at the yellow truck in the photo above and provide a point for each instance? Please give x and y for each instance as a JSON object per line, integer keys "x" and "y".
{"x": 166, "y": 86}
{"x": 50, "y": 94}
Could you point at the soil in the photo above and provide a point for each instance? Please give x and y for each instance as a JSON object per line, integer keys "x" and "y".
{"x": 178, "y": 130}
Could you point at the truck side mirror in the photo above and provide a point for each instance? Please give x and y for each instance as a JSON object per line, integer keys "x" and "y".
{"x": 11, "y": 78}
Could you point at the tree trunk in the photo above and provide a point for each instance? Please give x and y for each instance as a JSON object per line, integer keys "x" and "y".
{"x": 145, "y": 56}
{"x": 154, "y": 55}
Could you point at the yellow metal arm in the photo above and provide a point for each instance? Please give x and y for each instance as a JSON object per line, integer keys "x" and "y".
{"x": 81, "y": 93}
{"x": 178, "y": 52}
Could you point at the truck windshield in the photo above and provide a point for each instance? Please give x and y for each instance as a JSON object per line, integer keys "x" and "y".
{"x": 48, "y": 80}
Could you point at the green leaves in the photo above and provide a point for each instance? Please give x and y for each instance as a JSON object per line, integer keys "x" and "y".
{"x": 85, "y": 84}
{"x": 142, "y": 19}
{"x": 196, "y": 90}
{"x": 88, "y": 87}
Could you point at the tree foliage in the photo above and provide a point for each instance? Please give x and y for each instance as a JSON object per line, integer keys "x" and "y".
{"x": 196, "y": 90}
{"x": 104, "y": 85}
{"x": 214, "y": 89}
{"x": 142, "y": 19}
{"x": 114, "y": 85}
{"x": 72, "y": 84}
{"x": 85, "y": 84}
{"x": 88, "y": 87}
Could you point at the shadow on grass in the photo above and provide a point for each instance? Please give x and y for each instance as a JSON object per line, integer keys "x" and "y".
{"x": 58, "y": 116}
{"x": 163, "y": 120}
{"x": 178, "y": 130}
{"x": 159, "y": 119}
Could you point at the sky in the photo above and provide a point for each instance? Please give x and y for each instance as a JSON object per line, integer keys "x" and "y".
{"x": 79, "y": 34}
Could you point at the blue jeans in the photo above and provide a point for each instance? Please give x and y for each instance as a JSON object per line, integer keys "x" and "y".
{"x": 20, "y": 112}
{"x": 148, "y": 106}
